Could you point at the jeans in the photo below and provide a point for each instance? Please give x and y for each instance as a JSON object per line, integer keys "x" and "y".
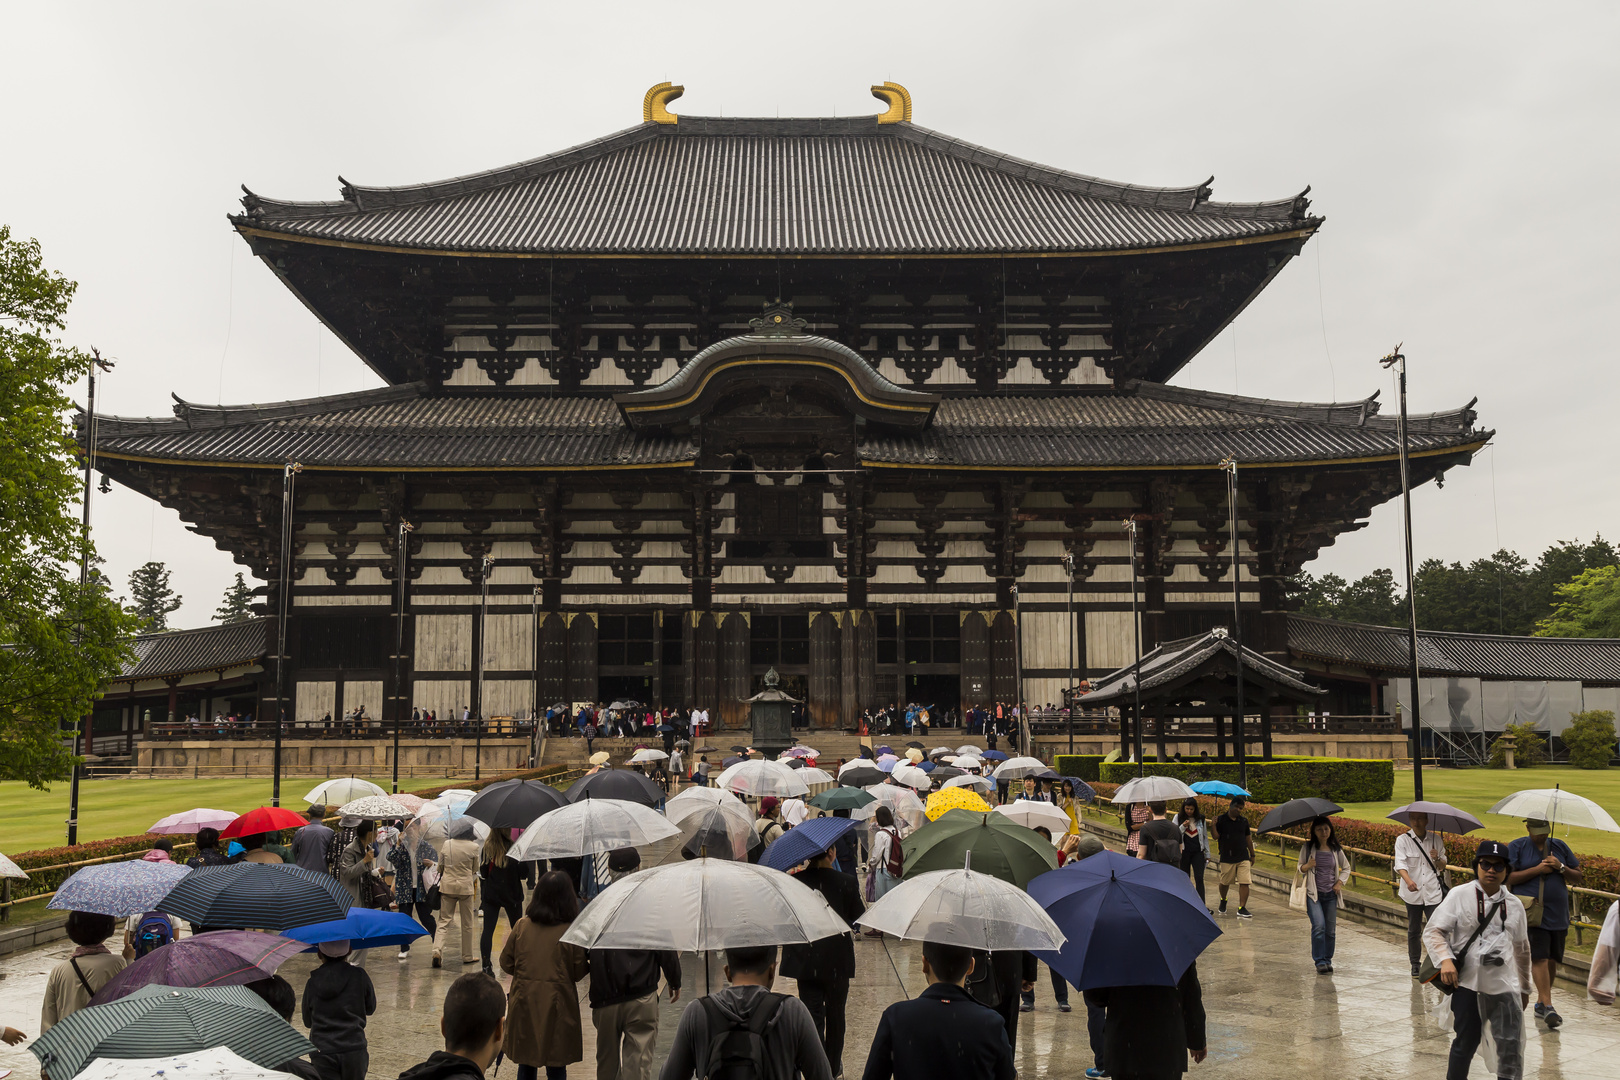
{"x": 1507, "y": 1029}
{"x": 1196, "y": 864}
{"x": 553, "y": 1072}
{"x": 827, "y": 1001}
{"x": 492, "y": 918}
{"x": 1324, "y": 915}
{"x": 1060, "y": 991}
{"x": 1416, "y": 916}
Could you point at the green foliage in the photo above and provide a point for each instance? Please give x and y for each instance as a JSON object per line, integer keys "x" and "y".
{"x": 152, "y": 601}
{"x": 1528, "y": 747}
{"x": 237, "y": 606}
{"x": 1590, "y": 739}
{"x": 1084, "y": 766}
{"x": 1371, "y": 599}
{"x": 58, "y": 640}
{"x": 1340, "y": 779}
{"x": 1588, "y": 606}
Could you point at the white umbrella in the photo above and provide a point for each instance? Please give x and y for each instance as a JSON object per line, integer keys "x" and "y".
{"x": 812, "y": 777}
{"x": 695, "y": 800}
{"x": 977, "y": 783}
{"x": 647, "y": 754}
{"x": 963, "y": 907}
{"x": 967, "y": 761}
{"x": 218, "y": 1063}
{"x": 376, "y": 808}
{"x": 190, "y": 821}
{"x": 435, "y": 819}
{"x": 720, "y": 831}
{"x": 11, "y": 869}
{"x": 857, "y": 763}
{"x": 1556, "y": 805}
{"x": 1030, "y": 813}
{"x": 806, "y": 751}
{"x": 970, "y": 749}
{"x": 912, "y": 777}
{"x": 702, "y": 905}
{"x": 590, "y": 826}
{"x": 1019, "y": 767}
{"x": 759, "y": 778}
{"x": 901, "y": 801}
{"x": 341, "y": 790}
{"x": 1153, "y": 789}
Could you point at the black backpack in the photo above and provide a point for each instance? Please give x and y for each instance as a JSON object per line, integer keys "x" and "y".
{"x": 737, "y": 1051}
{"x": 1164, "y": 849}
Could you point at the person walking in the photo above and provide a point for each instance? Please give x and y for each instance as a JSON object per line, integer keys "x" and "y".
{"x": 943, "y": 1033}
{"x": 824, "y": 967}
{"x": 1601, "y": 980}
{"x": 542, "y": 1016}
{"x": 1159, "y": 837}
{"x": 1324, "y": 868}
{"x": 768, "y": 826}
{"x": 357, "y": 861}
{"x": 1194, "y": 831}
{"x": 1542, "y": 869}
{"x": 1138, "y": 815}
{"x": 309, "y": 843}
{"x": 590, "y": 732}
{"x": 458, "y": 883}
{"x": 1235, "y": 842}
{"x": 1478, "y": 939}
{"x": 74, "y": 981}
{"x": 501, "y": 888}
{"x": 1151, "y": 1031}
{"x": 746, "y": 1030}
{"x": 337, "y": 999}
{"x": 624, "y": 995}
{"x": 885, "y": 862}
{"x": 410, "y": 889}
{"x": 1420, "y": 863}
{"x": 208, "y": 853}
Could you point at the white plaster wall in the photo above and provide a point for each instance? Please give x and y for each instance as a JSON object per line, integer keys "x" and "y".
{"x": 367, "y": 693}
{"x": 444, "y": 642}
{"x": 446, "y": 697}
{"x": 313, "y": 700}
{"x": 1110, "y": 641}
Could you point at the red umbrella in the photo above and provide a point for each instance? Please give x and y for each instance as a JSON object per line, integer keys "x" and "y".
{"x": 265, "y": 819}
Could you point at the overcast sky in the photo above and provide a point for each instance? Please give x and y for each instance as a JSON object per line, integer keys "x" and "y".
{"x": 1464, "y": 155}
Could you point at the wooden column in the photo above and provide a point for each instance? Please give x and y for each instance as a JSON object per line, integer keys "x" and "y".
{"x": 1220, "y": 736}
{"x": 1265, "y": 728}
{"x": 734, "y": 668}
{"x": 976, "y": 683}
{"x": 582, "y": 682}
{"x": 658, "y": 658}
{"x": 826, "y": 662}
{"x": 702, "y": 660}
{"x": 858, "y": 665}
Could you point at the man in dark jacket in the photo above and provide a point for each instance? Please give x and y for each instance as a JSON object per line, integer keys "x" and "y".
{"x": 624, "y": 995}
{"x": 1151, "y": 1030}
{"x": 311, "y": 843}
{"x": 999, "y": 980}
{"x": 823, "y": 968}
{"x": 473, "y": 1027}
{"x": 943, "y": 1034}
{"x": 790, "y": 1046}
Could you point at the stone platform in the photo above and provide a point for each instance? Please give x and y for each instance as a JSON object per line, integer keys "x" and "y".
{"x": 335, "y": 757}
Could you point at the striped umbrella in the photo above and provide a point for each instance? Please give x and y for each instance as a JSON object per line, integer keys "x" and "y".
{"x": 124, "y": 888}
{"x": 11, "y": 869}
{"x": 217, "y": 958}
{"x": 159, "y": 1020}
{"x": 264, "y": 896}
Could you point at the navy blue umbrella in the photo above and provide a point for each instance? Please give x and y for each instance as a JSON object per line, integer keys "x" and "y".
{"x": 1129, "y": 922}
{"x": 992, "y": 755}
{"x": 805, "y": 842}
{"x": 362, "y": 928}
{"x": 256, "y": 896}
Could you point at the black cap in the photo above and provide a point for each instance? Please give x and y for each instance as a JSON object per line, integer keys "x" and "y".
{"x": 1492, "y": 849}
{"x": 621, "y": 860}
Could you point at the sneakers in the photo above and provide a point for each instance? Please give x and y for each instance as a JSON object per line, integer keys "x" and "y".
{"x": 1024, "y": 1006}
{"x": 1243, "y": 913}
{"x": 1064, "y": 1006}
{"x": 404, "y": 954}
{"x": 438, "y": 961}
{"x": 1096, "y": 1074}
{"x": 1223, "y": 905}
{"x": 1549, "y": 1016}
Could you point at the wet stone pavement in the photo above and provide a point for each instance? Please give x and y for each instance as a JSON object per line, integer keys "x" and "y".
{"x": 1270, "y": 1014}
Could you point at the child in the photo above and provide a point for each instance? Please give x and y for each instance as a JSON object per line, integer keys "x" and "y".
{"x": 337, "y": 1000}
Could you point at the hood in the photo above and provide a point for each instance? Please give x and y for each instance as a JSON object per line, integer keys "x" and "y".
{"x": 442, "y": 1066}
{"x": 156, "y": 855}
{"x": 737, "y": 1002}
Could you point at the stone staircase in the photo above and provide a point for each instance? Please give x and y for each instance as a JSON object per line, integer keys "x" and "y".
{"x": 833, "y": 745}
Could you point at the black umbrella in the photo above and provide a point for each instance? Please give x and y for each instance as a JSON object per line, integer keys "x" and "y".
{"x": 726, "y": 763}
{"x": 707, "y": 750}
{"x": 739, "y": 749}
{"x": 794, "y": 763}
{"x": 626, "y": 784}
{"x": 916, "y": 745}
{"x": 260, "y": 896}
{"x": 944, "y": 773}
{"x": 666, "y": 728}
{"x": 514, "y": 804}
{"x": 862, "y": 776}
{"x": 1295, "y": 811}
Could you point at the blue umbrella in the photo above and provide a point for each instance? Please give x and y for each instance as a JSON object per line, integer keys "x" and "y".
{"x": 1079, "y": 789}
{"x": 992, "y": 755}
{"x": 124, "y": 888}
{"x": 1218, "y": 787}
{"x": 805, "y": 842}
{"x": 362, "y": 928}
{"x": 1129, "y": 922}
{"x": 927, "y": 766}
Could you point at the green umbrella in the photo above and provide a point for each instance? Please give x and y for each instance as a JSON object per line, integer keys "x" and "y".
{"x": 156, "y": 1021}
{"x": 1000, "y": 847}
{"x": 843, "y": 798}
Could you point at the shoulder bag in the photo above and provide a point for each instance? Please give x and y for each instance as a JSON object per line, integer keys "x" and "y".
{"x": 1429, "y": 971}
{"x": 1439, "y": 878}
{"x": 1534, "y": 910}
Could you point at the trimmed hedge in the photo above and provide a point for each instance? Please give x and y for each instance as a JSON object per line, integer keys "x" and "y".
{"x": 1084, "y": 766}
{"x": 1339, "y": 779}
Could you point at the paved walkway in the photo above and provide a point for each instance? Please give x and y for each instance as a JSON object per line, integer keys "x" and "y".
{"x": 1270, "y": 1014}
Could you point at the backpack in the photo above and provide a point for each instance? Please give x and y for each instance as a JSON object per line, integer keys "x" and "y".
{"x": 737, "y": 1051}
{"x": 895, "y": 864}
{"x": 152, "y": 933}
{"x": 1165, "y": 849}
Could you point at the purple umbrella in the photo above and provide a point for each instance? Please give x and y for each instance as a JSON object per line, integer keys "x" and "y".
{"x": 217, "y": 958}
{"x": 1443, "y": 817}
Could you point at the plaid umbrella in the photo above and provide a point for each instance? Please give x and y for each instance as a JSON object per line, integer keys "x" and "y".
{"x": 218, "y": 958}
{"x": 11, "y": 869}
{"x": 267, "y": 896}
{"x": 124, "y": 888}
{"x": 158, "y": 1020}
{"x": 954, "y": 798}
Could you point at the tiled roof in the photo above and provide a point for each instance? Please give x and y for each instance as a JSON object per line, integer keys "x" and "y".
{"x": 1489, "y": 656}
{"x": 1174, "y": 659}
{"x": 209, "y": 648}
{"x": 761, "y": 186}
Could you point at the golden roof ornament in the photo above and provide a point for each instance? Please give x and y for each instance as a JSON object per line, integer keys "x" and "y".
{"x": 655, "y": 103}
{"x": 898, "y": 98}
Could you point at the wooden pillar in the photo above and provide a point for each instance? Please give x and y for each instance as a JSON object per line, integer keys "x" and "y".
{"x": 1220, "y": 735}
{"x": 733, "y": 637}
{"x": 173, "y": 695}
{"x": 826, "y": 661}
{"x": 849, "y": 667}
{"x": 582, "y": 681}
{"x": 1158, "y": 733}
{"x": 898, "y": 693}
{"x": 866, "y": 666}
{"x": 975, "y": 666}
{"x": 658, "y": 659}
{"x": 1265, "y": 728}
{"x": 701, "y": 657}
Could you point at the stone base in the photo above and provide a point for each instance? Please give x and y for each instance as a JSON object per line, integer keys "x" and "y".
{"x": 330, "y": 757}
{"x": 1386, "y": 747}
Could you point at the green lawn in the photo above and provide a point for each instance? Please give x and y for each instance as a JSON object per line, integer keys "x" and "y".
{"x": 1477, "y": 790}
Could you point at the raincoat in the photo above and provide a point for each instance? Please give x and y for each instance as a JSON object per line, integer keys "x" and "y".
{"x": 1493, "y": 980}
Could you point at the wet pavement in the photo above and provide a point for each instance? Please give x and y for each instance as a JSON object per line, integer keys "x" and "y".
{"x": 1270, "y": 1014}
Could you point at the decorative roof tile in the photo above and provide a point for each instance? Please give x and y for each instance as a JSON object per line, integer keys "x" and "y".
{"x": 1489, "y": 656}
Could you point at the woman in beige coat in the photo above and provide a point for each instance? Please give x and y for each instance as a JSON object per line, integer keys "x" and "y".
{"x": 542, "y": 1012}
{"x": 91, "y": 967}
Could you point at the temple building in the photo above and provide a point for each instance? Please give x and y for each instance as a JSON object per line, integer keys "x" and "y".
{"x": 849, "y": 398}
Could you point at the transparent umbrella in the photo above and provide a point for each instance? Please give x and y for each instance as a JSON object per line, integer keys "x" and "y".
{"x": 901, "y": 801}
{"x": 720, "y": 831}
{"x": 341, "y": 790}
{"x": 695, "y": 800}
{"x": 760, "y": 778}
{"x": 971, "y": 780}
{"x": 1019, "y": 767}
{"x": 912, "y": 777}
{"x": 962, "y": 907}
{"x": 1557, "y": 806}
{"x": 1153, "y": 789}
{"x": 814, "y": 777}
{"x": 433, "y": 822}
{"x": 590, "y": 826}
{"x": 647, "y": 755}
{"x": 1029, "y": 813}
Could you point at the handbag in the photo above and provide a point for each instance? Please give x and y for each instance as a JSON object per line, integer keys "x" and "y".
{"x": 1297, "y": 894}
{"x": 1429, "y": 971}
{"x": 1533, "y": 910}
{"x": 433, "y": 899}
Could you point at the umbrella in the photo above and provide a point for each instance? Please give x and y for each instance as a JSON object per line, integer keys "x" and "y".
{"x": 700, "y": 905}
{"x": 664, "y": 729}
{"x": 790, "y": 762}
{"x": 375, "y": 808}
{"x": 411, "y": 802}
{"x": 268, "y": 896}
{"x": 927, "y": 766}
{"x": 1079, "y": 789}
{"x": 739, "y": 749}
{"x": 624, "y": 703}
{"x": 885, "y": 750}
{"x": 434, "y": 821}
{"x": 265, "y": 819}
{"x": 214, "y": 1063}
{"x": 1218, "y": 787}
{"x": 813, "y": 776}
{"x": 647, "y": 754}
{"x": 970, "y": 749}
{"x": 514, "y": 804}
{"x": 956, "y": 798}
{"x": 759, "y": 778}
{"x": 998, "y": 846}
{"x": 362, "y": 928}
{"x": 189, "y": 821}
{"x": 1030, "y": 813}
{"x": 912, "y": 777}
{"x": 887, "y": 762}
{"x": 707, "y": 750}
{"x": 734, "y": 759}
{"x": 600, "y": 757}
{"x": 720, "y": 831}
{"x": 914, "y": 755}
{"x": 860, "y": 776}
{"x": 967, "y": 761}
{"x": 1295, "y": 811}
{"x": 964, "y": 907}
{"x": 170, "y": 1020}
{"x": 122, "y": 888}
{"x": 842, "y": 798}
{"x": 695, "y": 800}
{"x": 1443, "y": 817}
{"x": 806, "y": 842}
{"x": 11, "y": 870}
{"x": 1019, "y": 767}
{"x": 945, "y": 772}
{"x": 902, "y": 802}
{"x": 624, "y": 785}
{"x": 993, "y": 755}
{"x": 802, "y": 751}
{"x": 940, "y": 751}
{"x": 343, "y": 789}
{"x": 915, "y": 745}
{"x": 589, "y": 826}
{"x": 1152, "y": 789}
{"x": 1130, "y": 922}
{"x": 971, "y": 780}
{"x": 216, "y": 958}
{"x": 1556, "y": 805}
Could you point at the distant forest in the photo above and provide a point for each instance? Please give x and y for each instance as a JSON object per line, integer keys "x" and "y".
{"x": 1572, "y": 590}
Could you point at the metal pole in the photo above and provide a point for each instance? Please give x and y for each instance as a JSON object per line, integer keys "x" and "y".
{"x": 402, "y": 697}
{"x": 534, "y": 678}
{"x": 1230, "y": 464}
{"x": 84, "y": 582}
{"x": 1136, "y": 626}
{"x": 288, "y": 500}
{"x": 1018, "y": 674}
{"x": 1074, "y": 688}
{"x": 1397, "y": 359}
{"x": 483, "y": 647}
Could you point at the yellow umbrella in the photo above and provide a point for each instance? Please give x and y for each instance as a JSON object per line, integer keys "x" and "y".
{"x": 951, "y": 798}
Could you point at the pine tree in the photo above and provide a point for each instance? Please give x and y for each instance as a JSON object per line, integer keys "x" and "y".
{"x": 237, "y": 606}
{"x": 153, "y": 599}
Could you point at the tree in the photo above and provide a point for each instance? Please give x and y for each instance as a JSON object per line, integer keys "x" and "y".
{"x": 1528, "y": 748}
{"x": 1590, "y": 739}
{"x": 237, "y": 606}
{"x": 1370, "y": 599}
{"x": 58, "y": 640}
{"x": 153, "y": 600}
{"x": 1589, "y": 606}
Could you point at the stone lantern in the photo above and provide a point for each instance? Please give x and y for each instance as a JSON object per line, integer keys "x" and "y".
{"x": 770, "y": 712}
